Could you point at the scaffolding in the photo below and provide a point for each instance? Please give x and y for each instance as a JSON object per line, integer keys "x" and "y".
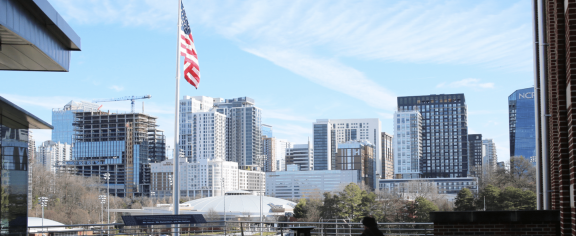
{"x": 122, "y": 144}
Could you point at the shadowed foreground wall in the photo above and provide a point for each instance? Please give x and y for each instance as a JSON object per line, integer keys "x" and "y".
{"x": 496, "y": 223}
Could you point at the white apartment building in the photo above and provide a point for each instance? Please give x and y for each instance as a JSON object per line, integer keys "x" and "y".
{"x": 243, "y": 130}
{"x": 204, "y": 178}
{"x": 305, "y": 184}
{"x": 490, "y": 157}
{"x": 202, "y": 129}
{"x": 328, "y": 133}
{"x": 50, "y": 153}
{"x": 407, "y": 144}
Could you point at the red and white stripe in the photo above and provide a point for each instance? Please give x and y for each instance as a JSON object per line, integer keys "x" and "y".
{"x": 191, "y": 66}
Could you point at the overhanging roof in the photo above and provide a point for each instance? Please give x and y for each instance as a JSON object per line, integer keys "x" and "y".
{"x": 45, "y": 13}
{"x": 14, "y": 116}
{"x": 34, "y": 37}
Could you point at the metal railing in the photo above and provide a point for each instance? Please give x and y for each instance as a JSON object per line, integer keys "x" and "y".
{"x": 239, "y": 228}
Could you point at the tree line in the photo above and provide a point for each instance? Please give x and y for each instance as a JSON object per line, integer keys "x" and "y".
{"x": 511, "y": 188}
{"x": 355, "y": 202}
{"x": 74, "y": 199}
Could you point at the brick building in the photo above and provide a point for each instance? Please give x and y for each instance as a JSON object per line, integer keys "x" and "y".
{"x": 555, "y": 54}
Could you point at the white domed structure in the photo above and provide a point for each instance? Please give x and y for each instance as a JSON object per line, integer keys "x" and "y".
{"x": 51, "y": 226}
{"x": 242, "y": 204}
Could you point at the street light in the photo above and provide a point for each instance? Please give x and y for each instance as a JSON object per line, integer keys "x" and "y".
{"x": 107, "y": 178}
{"x": 43, "y": 203}
{"x": 102, "y": 201}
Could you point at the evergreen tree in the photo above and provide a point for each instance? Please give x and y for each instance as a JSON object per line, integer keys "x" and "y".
{"x": 422, "y": 209}
{"x": 515, "y": 199}
{"x": 300, "y": 210}
{"x": 330, "y": 209}
{"x": 464, "y": 201}
{"x": 489, "y": 195}
{"x": 350, "y": 202}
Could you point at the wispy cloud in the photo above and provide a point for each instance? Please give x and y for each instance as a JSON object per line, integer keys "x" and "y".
{"x": 148, "y": 13}
{"x": 117, "y": 88}
{"x": 314, "y": 38}
{"x": 331, "y": 74}
{"x": 466, "y": 83}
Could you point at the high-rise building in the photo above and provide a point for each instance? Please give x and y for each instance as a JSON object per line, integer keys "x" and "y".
{"x": 490, "y": 158}
{"x": 50, "y": 154}
{"x": 475, "y": 154}
{"x": 267, "y": 130}
{"x": 358, "y": 155}
{"x": 387, "y": 156}
{"x": 444, "y": 133}
{"x": 274, "y": 150}
{"x": 301, "y": 155}
{"x": 408, "y": 144}
{"x": 243, "y": 130}
{"x": 202, "y": 133}
{"x": 269, "y": 151}
{"x": 329, "y": 133}
{"x": 281, "y": 146}
{"x": 118, "y": 144}
{"x": 522, "y": 124}
{"x": 63, "y": 119}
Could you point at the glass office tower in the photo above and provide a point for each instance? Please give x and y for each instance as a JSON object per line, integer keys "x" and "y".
{"x": 14, "y": 153}
{"x": 62, "y": 120}
{"x": 267, "y": 130}
{"x": 444, "y": 133}
{"x": 522, "y": 124}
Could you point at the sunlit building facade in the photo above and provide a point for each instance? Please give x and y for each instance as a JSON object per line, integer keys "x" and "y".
{"x": 475, "y": 154}
{"x": 522, "y": 124}
{"x": 329, "y": 133}
{"x": 62, "y": 120}
{"x": 407, "y": 144}
{"x": 387, "y": 156}
{"x": 444, "y": 133}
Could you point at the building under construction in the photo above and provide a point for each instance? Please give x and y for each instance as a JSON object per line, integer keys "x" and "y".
{"x": 122, "y": 144}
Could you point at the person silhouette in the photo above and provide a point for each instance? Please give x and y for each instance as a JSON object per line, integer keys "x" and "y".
{"x": 370, "y": 227}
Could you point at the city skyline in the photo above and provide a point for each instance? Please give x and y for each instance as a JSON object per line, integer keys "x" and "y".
{"x": 474, "y": 64}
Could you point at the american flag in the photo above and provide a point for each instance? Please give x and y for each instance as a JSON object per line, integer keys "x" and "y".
{"x": 187, "y": 50}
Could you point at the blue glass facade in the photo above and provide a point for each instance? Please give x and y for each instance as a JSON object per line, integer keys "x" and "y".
{"x": 267, "y": 130}
{"x": 14, "y": 178}
{"x": 320, "y": 147}
{"x": 522, "y": 124}
{"x": 63, "y": 128}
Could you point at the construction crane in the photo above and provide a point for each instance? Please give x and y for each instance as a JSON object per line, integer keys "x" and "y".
{"x": 131, "y": 98}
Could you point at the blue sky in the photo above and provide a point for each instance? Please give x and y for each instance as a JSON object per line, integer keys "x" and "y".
{"x": 300, "y": 60}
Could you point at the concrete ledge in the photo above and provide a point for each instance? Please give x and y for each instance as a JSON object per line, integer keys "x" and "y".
{"x": 494, "y": 216}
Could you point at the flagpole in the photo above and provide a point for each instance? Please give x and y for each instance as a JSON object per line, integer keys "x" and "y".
{"x": 176, "y": 155}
